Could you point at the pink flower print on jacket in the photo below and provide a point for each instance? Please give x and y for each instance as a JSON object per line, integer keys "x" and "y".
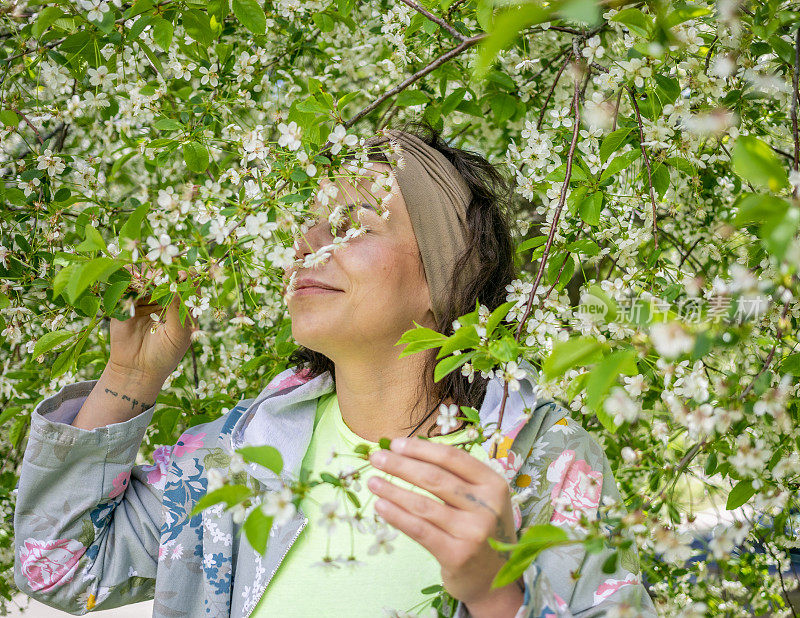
{"x": 120, "y": 483}
{"x": 188, "y": 443}
{"x": 47, "y": 564}
{"x": 157, "y": 473}
{"x": 577, "y": 488}
{"x": 295, "y": 378}
{"x": 610, "y": 586}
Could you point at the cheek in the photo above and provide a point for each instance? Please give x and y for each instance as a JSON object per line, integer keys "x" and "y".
{"x": 390, "y": 271}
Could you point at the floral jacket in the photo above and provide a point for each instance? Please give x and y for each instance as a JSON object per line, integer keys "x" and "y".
{"x": 95, "y": 531}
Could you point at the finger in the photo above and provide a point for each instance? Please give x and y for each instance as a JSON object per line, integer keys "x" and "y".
{"x": 449, "y": 457}
{"x": 441, "y": 483}
{"x": 441, "y": 515}
{"x": 431, "y": 537}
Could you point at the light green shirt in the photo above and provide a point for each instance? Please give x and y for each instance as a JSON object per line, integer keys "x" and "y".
{"x": 302, "y": 586}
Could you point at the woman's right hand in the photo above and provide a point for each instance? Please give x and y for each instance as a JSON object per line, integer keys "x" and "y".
{"x": 137, "y": 353}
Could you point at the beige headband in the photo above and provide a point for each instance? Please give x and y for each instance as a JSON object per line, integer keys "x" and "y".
{"x": 436, "y": 196}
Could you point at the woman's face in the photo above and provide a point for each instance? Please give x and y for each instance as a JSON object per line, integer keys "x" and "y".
{"x": 380, "y": 280}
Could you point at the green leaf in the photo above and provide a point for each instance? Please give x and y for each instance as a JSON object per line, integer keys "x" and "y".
{"x": 229, "y": 494}
{"x": 569, "y": 354}
{"x": 324, "y": 21}
{"x": 610, "y": 563}
{"x": 197, "y": 26}
{"x": 582, "y": 11}
{"x": 93, "y": 240}
{"x": 133, "y": 226}
{"x": 450, "y": 364}
{"x": 741, "y": 493}
{"x": 602, "y": 377}
{"x": 584, "y": 246}
{"x": 758, "y": 207}
{"x": 196, "y": 156}
{"x": 504, "y": 106}
{"x": 418, "y": 339}
{"x": 10, "y": 119}
{"x": 411, "y": 97}
{"x": 113, "y": 293}
{"x": 62, "y": 278}
{"x": 505, "y": 29}
{"x": 167, "y": 124}
{"x": 452, "y": 100}
{"x": 465, "y": 337}
{"x": 497, "y": 316}
{"x": 88, "y": 273}
{"x": 533, "y": 541}
{"x": 590, "y": 208}
{"x": 777, "y": 233}
{"x": 256, "y": 529}
{"x": 162, "y": 33}
{"x": 504, "y": 350}
{"x": 612, "y": 142}
{"x": 754, "y": 161}
{"x": 48, "y": 341}
{"x": 327, "y": 477}
{"x": 619, "y": 163}
{"x": 251, "y": 14}
{"x": 531, "y": 243}
{"x": 45, "y": 19}
{"x": 267, "y": 456}
{"x": 791, "y": 364}
{"x": 635, "y": 20}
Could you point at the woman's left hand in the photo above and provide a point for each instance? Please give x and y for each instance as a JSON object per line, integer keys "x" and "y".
{"x": 477, "y": 506}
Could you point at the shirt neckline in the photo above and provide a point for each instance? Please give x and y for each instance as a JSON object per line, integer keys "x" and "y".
{"x": 352, "y": 438}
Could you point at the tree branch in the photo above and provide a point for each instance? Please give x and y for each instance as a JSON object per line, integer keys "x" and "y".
{"x": 436, "y": 20}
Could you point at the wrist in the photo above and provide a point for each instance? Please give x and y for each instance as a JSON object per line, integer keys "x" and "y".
{"x": 123, "y": 377}
{"x": 499, "y": 602}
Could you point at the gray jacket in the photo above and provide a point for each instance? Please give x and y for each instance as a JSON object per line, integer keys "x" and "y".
{"x": 95, "y": 531}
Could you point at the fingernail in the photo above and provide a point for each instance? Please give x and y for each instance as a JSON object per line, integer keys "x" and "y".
{"x": 378, "y": 458}
{"x": 398, "y": 444}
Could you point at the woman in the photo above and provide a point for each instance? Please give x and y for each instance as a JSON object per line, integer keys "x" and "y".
{"x": 94, "y": 531}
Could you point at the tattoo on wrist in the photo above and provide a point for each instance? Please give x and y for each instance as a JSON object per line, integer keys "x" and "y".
{"x": 500, "y": 532}
{"x": 134, "y": 402}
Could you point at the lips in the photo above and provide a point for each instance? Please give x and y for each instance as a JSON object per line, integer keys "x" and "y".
{"x": 313, "y": 283}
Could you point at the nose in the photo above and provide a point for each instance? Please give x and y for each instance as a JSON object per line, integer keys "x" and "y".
{"x": 318, "y": 235}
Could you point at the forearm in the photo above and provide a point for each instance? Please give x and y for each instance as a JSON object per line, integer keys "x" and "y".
{"x": 501, "y": 603}
{"x": 116, "y": 398}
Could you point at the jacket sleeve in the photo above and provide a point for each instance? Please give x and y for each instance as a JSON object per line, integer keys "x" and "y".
{"x": 87, "y": 521}
{"x": 570, "y": 475}
{"x": 566, "y": 473}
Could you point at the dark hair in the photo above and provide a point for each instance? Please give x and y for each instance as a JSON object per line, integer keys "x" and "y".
{"x": 489, "y": 236}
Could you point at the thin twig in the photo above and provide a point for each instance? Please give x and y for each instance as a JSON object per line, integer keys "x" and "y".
{"x": 795, "y": 99}
{"x": 553, "y": 226}
{"x": 771, "y": 355}
{"x": 616, "y": 110}
{"x": 456, "y": 51}
{"x": 647, "y": 164}
{"x": 29, "y": 123}
{"x": 194, "y": 366}
{"x": 683, "y": 258}
{"x": 436, "y": 20}
{"x": 552, "y": 89}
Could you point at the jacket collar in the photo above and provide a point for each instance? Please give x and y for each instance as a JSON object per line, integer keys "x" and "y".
{"x": 283, "y": 416}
